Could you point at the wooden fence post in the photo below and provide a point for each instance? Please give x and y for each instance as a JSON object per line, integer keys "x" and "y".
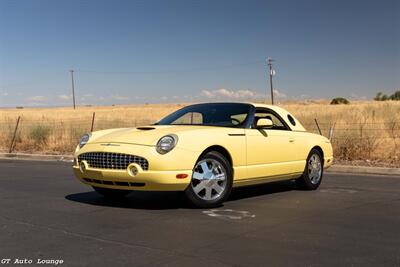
{"x": 91, "y": 128}
{"x": 331, "y": 131}
{"x": 319, "y": 130}
{"x": 14, "y": 136}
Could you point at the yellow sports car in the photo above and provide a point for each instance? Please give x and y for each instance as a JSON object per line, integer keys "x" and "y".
{"x": 204, "y": 150}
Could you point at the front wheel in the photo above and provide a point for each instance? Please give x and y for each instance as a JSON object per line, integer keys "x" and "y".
{"x": 111, "y": 193}
{"x": 211, "y": 181}
{"x": 312, "y": 175}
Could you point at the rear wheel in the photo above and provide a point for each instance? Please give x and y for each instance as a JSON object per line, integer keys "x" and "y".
{"x": 211, "y": 181}
{"x": 312, "y": 176}
{"x": 111, "y": 193}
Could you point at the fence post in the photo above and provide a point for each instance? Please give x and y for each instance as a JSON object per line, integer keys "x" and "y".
{"x": 319, "y": 130}
{"x": 331, "y": 131}
{"x": 91, "y": 128}
{"x": 14, "y": 136}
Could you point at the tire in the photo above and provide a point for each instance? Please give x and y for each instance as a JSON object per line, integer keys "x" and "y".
{"x": 111, "y": 193}
{"x": 313, "y": 171}
{"x": 211, "y": 181}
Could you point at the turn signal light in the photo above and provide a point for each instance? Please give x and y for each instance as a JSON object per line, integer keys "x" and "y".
{"x": 181, "y": 176}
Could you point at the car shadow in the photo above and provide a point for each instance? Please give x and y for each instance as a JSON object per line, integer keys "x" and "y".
{"x": 134, "y": 200}
{"x": 175, "y": 200}
{"x": 262, "y": 190}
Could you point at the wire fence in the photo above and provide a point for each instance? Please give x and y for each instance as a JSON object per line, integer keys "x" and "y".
{"x": 351, "y": 140}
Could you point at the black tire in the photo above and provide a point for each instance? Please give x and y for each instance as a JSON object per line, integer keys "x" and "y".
{"x": 305, "y": 181}
{"x": 111, "y": 193}
{"x": 193, "y": 197}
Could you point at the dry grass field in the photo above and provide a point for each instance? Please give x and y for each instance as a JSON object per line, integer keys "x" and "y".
{"x": 366, "y": 132}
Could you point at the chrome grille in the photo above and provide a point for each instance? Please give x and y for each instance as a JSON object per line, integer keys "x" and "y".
{"x": 108, "y": 160}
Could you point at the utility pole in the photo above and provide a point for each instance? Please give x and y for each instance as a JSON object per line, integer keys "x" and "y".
{"x": 73, "y": 87}
{"x": 271, "y": 73}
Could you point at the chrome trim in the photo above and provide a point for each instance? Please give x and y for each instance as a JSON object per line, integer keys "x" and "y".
{"x": 113, "y": 161}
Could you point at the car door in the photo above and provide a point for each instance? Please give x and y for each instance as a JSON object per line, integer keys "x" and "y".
{"x": 270, "y": 151}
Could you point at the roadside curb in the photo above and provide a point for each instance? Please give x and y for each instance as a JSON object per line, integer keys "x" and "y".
{"x": 363, "y": 170}
{"x": 332, "y": 169}
{"x": 36, "y": 157}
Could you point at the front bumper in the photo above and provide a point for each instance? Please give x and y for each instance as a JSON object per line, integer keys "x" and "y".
{"x": 328, "y": 162}
{"x": 161, "y": 175}
{"x": 143, "y": 181}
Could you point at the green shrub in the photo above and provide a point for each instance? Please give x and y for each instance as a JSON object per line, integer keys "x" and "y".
{"x": 40, "y": 133}
{"x": 339, "y": 100}
{"x": 383, "y": 97}
{"x": 395, "y": 96}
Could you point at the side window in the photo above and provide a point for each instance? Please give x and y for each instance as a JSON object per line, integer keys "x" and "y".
{"x": 291, "y": 119}
{"x": 190, "y": 118}
{"x": 238, "y": 118}
{"x": 277, "y": 122}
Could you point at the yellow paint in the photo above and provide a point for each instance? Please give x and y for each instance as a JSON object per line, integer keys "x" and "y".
{"x": 257, "y": 155}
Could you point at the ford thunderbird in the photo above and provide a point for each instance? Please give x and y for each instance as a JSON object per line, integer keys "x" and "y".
{"x": 204, "y": 150}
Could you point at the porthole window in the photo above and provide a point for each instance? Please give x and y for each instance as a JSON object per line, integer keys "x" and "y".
{"x": 291, "y": 119}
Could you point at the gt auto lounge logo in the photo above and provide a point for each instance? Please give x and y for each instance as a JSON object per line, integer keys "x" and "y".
{"x": 25, "y": 261}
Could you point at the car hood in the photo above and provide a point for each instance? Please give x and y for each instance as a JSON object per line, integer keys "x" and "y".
{"x": 145, "y": 135}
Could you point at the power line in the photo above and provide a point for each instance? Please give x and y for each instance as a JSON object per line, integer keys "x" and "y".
{"x": 200, "y": 69}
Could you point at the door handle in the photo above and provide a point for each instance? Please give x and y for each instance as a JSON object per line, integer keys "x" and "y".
{"x": 291, "y": 140}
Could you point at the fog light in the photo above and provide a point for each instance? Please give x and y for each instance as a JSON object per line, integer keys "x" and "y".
{"x": 83, "y": 166}
{"x": 133, "y": 170}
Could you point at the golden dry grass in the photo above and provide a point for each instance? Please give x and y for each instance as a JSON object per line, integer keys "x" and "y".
{"x": 361, "y": 131}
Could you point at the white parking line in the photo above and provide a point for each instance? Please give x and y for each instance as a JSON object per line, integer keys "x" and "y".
{"x": 228, "y": 214}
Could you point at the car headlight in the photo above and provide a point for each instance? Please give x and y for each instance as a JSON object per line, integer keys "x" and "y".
{"x": 84, "y": 139}
{"x": 166, "y": 143}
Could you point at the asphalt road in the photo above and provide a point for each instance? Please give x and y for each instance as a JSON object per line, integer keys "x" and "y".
{"x": 351, "y": 220}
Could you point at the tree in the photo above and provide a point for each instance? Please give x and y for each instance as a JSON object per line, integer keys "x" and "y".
{"x": 395, "y": 96}
{"x": 383, "y": 97}
{"x": 339, "y": 100}
{"x": 378, "y": 96}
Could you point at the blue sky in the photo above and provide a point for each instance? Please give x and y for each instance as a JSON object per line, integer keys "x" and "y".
{"x": 179, "y": 51}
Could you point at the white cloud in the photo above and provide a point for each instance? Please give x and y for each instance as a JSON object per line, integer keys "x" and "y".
{"x": 3, "y": 92}
{"x": 207, "y": 93}
{"x": 119, "y": 97}
{"x": 37, "y": 98}
{"x": 355, "y": 96}
{"x": 64, "y": 97}
{"x": 279, "y": 94}
{"x": 232, "y": 94}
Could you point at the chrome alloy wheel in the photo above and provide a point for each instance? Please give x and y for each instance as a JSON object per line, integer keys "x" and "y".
{"x": 314, "y": 168}
{"x": 209, "y": 179}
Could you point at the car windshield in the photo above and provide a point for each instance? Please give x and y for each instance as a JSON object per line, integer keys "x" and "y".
{"x": 212, "y": 114}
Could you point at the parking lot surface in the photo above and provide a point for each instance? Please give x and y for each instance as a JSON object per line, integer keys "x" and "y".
{"x": 45, "y": 213}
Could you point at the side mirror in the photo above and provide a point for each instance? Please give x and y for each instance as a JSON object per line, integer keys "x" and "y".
{"x": 264, "y": 123}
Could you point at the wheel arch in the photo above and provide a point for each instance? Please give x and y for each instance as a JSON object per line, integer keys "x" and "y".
{"x": 220, "y": 149}
{"x": 320, "y": 150}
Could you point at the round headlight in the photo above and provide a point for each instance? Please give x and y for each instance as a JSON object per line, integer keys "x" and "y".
{"x": 166, "y": 143}
{"x": 84, "y": 139}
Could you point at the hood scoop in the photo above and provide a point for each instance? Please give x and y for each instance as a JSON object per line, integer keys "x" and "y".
{"x": 145, "y": 128}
